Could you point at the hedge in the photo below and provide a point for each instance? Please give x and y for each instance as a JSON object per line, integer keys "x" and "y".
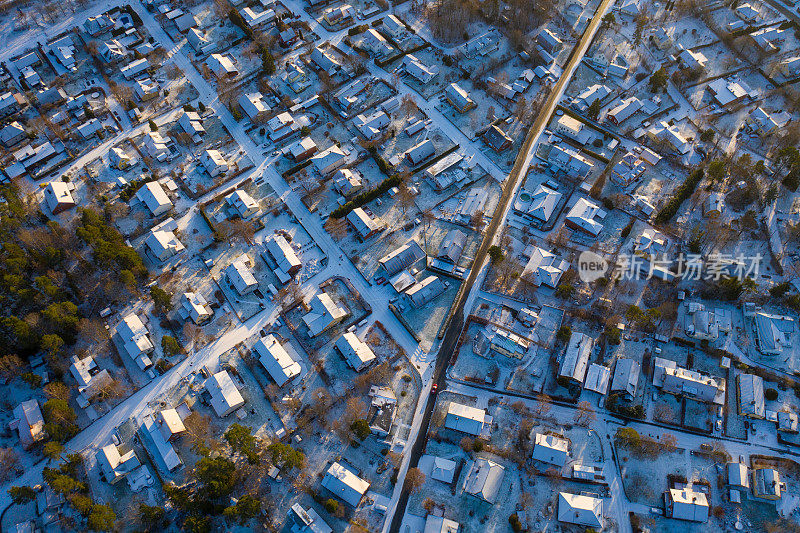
{"x": 681, "y": 194}
{"x": 366, "y": 196}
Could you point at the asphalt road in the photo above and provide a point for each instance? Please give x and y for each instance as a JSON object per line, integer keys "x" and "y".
{"x": 518, "y": 172}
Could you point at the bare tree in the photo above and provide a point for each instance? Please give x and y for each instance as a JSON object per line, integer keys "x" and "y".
{"x": 414, "y": 479}
{"x": 408, "y": 104}
{"x": 585, "y": 415}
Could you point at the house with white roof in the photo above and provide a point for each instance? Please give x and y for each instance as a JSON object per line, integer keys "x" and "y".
{"x": 225, "y": 397}
{"x": 58, "y": 196}
{"x": 365, "y": 225}
{"x": 466, "y": 419}
{"x": 550, "y": 449}
{"x": 624, "y": 110}
{"x": 240, "y": 277}
{"x": 255, "y": 18}
{"x": 91, "y": 380}
{"x": 154, "y": 145}
{"x": 401, "y": 258}
{"x": 190, "y": 123}
{"x": 727, "y": 93}
{"x": 425, "y": 291}
{"x": 302, "y": 149}
{"x": 146, "y": 89}
{"x": 214, "y": 163}
{"x": 199, "y": 41}
{"x": 284, "y": 257}
{"x": 170, "y": 424}
{"x": 12, "y": 134}
{"x": 414, "y": 67}
{"x": 597, "y": 378}
{"x": 154, "y": 437}
{"x": 240, "y": 204}
{"x": 671, "y": 378}
{"x": 576, "y": 360}
{"x": 458, "y": 98}
{"x": 790, "y": 67}
{"x": 376, "y": 43}
{"x": 254, "y": 106}
{"x": 544, "y": 268}
{"x": 222, "y": 66}
{"x": 580, "y": 510}
{"x": 420, "y": 152}
{"x": 761, "y": 121}
{"x": 750, "y": 389}
{"x": 344, "y": 484}
{"x": 134, "y": 68}
{"x": 324, "y": 314}
{"x": 585, "y": 216}
{"x": 114, "y": 466}
{"x": 671, "y": 135}
{"x": 691, "y": 60}
{"x": 347, "y": 181}
{"x": 686, "y": 504}
{"x": 356, "y": 352}
{"x": 394, "y": 26}
{"x": 540, "y": 205}
{"x": 163, "y": 243}
{"x": 568, "y": 159}
{"x": 276, "y": 360}
{"x": 307, "y": 521}
{"x": 774, "y": 333}
{"x": 328, "y": 161}
{"x": 194, "y": 306}
{"x": 484, "y": 480}
{"x": 626, "y": 378}
{"x": 134, "y": 340}
{"x": 372, "y": 126}
{"x": 28, "y": 422}
{"x": 281, "y": 125}
{"x": 440, "y": 524}
{"x": 587, "y": 97}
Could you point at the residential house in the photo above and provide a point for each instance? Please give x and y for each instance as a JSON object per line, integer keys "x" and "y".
{"x": 626, "y": 378}
{"x": 549, "y": 41}
{"x": 587, "y": 97}
{"x": 152, "y": 195}
{"x": 767, "y": 484}
{"x": 458, "y": 98}
{"x": 222, "y": 66}
{"x": 394, "y": 26}
{"x": 371, "y": 127}
{"x": 581, "y": 510}
{"x": 276, "y": 360}
{"x": 576, "y": 360}
{"x": 240, "y": 277}
{"x": 284, "y": 257}
{"x": 348, "y": 182}
{"x": 254, "y": 106}
{"x": 12, "y": 134}
{"x": 134, "y": 68}
{"x": 344, "y": 484}
{"x": 306, "y": 521}
{"x": 365, "y": 225}
{"x": 466, "y": 419}
{"x": 670, "y": 135}
{"x": 568, "y": 126}
{"x": 761, "y": 121}
{"x": 401, "y": 258}
{"x": 324, "y": 314}
{"x": 683, "y": 382}
{"x": 191, "y": 123}
{"x": 484, "y": 479}
{"x": 751, "y": 395}
{"x": 538, "y": 206}
{"x": 199, "y": 41}
{"x": 163, "y": 243}
{"x": 356, "y": 352}
{"x": 194, "y": 306}
{"x": 255, "y": 19}
{"x": 58, "y": 196}
{"x": 690, "y": 59}
{"x": 419, "y": 70}
{"x": 626, "y": 109}
{"x": 91, "y": 380}
{"x": 569, "y": 160}
{"x": 132, "y": 337}
{"x": 497, "y": 139}
{"x": 420, "y": 152}
{"x": 146, "y": 89}
{"x": 114, "y": 466}
{"x": 686, "y": 504}
{"x": 550, "y": 449}
{"x": 452, "y": 247}
{"x": 28, "y": 422}
{"x": 544, "y": 268}
{"x": 10, "y": 103}
{"x": 585, "y": 216}
{"x": 303, "y": 149}
{"x": 472, "y": 206}
{"x": 225, "y": 397}
{"x": 154, "y": 145}
{"x": 281, "y": 126}
{"x": 774, "y": 333}
{"x": 241, "y": 204}
{"x": 214, "y": 163}
{"x": 425, "y": 291}
{"x": 328, "y": 161}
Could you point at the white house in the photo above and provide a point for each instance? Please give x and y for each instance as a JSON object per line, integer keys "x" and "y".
{"x": 253, "y": 105}
{"x": 344, "y": 484}
{"x": 58, "y": 196}
{"x": 240, "y": 277}
{"x": 551, "y": 449}
{"x": 276, "y": 360}
{"x": 283, "y": 255}
{"x": 115, "y": 466}
{"x": 324, "y": 314}
{"x": 576, "y": 359}
{"x": 222, "y": 66}
{"x": 466, "y": 419}
{"x": 686, "y": 504}
{"x": 329, "y": 160}
{"x": 484, "y": 479}
{"x": 214, "y": 163}
{"x": 163, "y": 243}
{"x": 241, "y": 204}
{"x": 356, "y": 352}
{"x": 190, "y": 123}
{"x": 425, "y": 291}
{"x": 152, "y": 195}
{"x": 155, "y": 146}
{"x": 195, "y": 307}
{"x": 134, "y": 340}
{"x": 581, "y": 510}
{"x": 544, "y": 268}
{"x": 585, "y": 216}
{"x": 28, "y": 422}
{"x": 225, "y": 397}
